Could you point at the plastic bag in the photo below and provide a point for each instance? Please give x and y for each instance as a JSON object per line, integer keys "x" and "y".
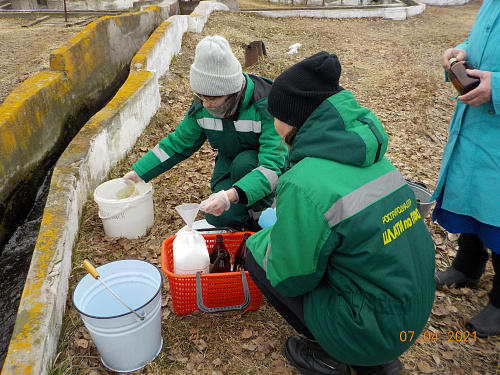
{"x": 267, "y": 217}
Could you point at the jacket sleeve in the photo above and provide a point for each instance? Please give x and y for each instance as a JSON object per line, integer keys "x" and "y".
{"x": 463, "y": 45}
{"x": 187, "y": 138}
{"x": 272, "y": 153}
{"x": 484, "y": 20}
{"x": 295, "y": 262}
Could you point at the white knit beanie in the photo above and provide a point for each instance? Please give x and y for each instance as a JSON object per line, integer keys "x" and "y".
{"x": 215, "y": 71}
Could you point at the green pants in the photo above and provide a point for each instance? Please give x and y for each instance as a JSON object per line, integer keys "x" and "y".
{"x": 226, "y": 173}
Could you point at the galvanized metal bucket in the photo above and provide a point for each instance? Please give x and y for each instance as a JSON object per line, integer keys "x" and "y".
{"x": 423, "y": 196}
{"x": 125, "y": 342}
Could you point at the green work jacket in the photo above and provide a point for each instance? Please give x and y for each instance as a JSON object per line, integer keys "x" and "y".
{"x": 349, "y": 238}
{"x": 252, "y": 128}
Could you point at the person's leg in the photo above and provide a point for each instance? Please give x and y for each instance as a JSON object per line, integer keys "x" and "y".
{"x": 310, "y": 358}
{"x": 303, "y": 351}
{"x": 471, "y": 257}
{"x": 243, "y": 164}
{"x": 487, "y": 322}
{"x": 226, "y": 173}
{"x": 235, "y": 217}
{"x": 468, "y": 266}
{"x": 495, "y": 290}
{"x": 290, "y": 308}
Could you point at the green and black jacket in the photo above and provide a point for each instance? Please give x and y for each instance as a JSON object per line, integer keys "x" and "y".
{"x": 349, "y": 237}
{"x": 253, "y": 129}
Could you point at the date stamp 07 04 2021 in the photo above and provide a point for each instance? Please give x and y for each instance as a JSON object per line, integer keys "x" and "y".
{"x": 452, "y": 336}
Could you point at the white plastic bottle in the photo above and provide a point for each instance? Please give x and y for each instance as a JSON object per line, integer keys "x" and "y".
{"x": 190, "y": 253}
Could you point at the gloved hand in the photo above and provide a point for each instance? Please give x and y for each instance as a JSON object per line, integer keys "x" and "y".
{"x": 216, "y": 204}
{"x": 267, "y": 217}
{"x": 132, "y": 176}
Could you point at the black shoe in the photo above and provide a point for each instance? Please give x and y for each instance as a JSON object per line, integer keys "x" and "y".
{"x": 453, "y": 277}
{"x": 309, "y": 358}
{"x": 390, "y": 368}
{"x": 486, "y": 323}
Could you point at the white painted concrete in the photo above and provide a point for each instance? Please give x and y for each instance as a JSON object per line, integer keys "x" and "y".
{"x": 101, "y": 143}
{"x": 167, "y": 46}
{"x": 200, "y": 14}
{"x": 445, "y": 2}
{"x": 397, "y": 13}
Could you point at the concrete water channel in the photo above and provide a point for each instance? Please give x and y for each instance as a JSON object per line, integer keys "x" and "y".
{"x": 25, "y": 215}
{"x": 16, "y": 255}
{"x": 15, "y": 259}
{"x": 17, "y": 246}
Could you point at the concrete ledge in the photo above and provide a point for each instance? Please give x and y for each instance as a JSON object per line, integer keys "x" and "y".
{"x": 169, "y": 8}
{"x": 92, "y": 4}
{"x": 157, "y": 53}
{"x": 24, "y": 4}
{"x": 101, "y": 143}
{"x": 22, "y": 118}
{"x": 200, "y": 14}
{"x": 445, "y": 2}
{"x": 397, "y": 13}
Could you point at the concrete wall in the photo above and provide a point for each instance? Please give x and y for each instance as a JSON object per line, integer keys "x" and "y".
{"x": 86, "y": 162}
{"x": 365, "y": 2}
{"x": 91, "y": 4}
{"x": 24, "y": 4}
{"x": 162, "y": 46}
{"x": 397, "y": 13}
{"x": 445, "y": 2}
{"x": 34, "y": 117}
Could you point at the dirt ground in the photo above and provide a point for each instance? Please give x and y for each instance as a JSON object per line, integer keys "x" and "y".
{"x": 25, "y": 50}
{"x": 392, "y": 67}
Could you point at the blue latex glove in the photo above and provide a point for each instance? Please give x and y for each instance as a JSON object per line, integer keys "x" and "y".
{"x": 267, "y": 218}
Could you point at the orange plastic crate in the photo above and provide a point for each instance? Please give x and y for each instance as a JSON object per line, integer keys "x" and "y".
{"x": 218, "y": 289}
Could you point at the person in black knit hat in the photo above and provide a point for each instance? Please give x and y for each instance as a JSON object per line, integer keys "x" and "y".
{"x": 349, "y": 262}
{"x": 305, "y": 85}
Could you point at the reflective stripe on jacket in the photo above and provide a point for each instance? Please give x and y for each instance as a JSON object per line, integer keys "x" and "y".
{"x": 253, "y": 129}
{"x": 349, "y": 237}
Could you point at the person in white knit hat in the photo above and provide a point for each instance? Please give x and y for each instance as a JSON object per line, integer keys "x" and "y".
{"x": 230, "y": 111}
{"x": 215, "y": 71}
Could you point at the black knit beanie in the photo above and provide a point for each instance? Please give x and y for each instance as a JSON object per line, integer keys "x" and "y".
{"x": 300, "y": 89}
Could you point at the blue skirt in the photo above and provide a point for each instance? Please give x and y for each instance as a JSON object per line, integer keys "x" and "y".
{"x": 456, "y": 223}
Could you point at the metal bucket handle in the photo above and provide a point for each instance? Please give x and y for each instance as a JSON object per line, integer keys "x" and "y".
{"x": 417, "y": 183}
{"x": 202, "y": 307}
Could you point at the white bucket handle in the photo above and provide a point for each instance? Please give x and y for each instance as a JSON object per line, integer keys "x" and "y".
{"x": 127, "y": 206}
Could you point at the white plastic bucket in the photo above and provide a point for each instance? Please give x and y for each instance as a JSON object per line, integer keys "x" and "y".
{"x": 125, "y": 342}
{"x": 129, "y": 217}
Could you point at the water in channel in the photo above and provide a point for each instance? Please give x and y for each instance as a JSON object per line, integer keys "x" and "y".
{"x": 15, "y": 260}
